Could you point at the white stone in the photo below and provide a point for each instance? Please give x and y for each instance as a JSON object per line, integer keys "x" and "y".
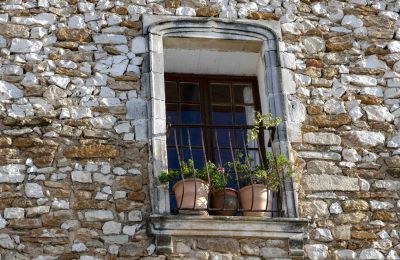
{"x": 371, "y": 253}
{"x": 42, "y": 19}
{"x": 59, "y": 81}
{"x": 359, "y": 80}
{"x": 29, "y": 80}
{"x": 60, "y": 204}
{"x": 335, "y": 13}
{"x": 33, "y": 190}
{"x": 355, "y": 113}
{"x": 3, "y": 222}
{"x": 78, "y": 247}
{"x": 119, "y": 171}
{"x": 14, "y": 213}
{"x": 81, "y": 176}
{"x": 322, "y": 138}
{"x": 25, "y": 46}
{"x": 368, "y": 138}
{"x": 185, "y": 11}
{"x": 346, "y": 254}
{"x": 379, "y": 205}
{"x": 111, "y": 227}
{"x": 139, "y": 45}
{"x": 393, "y": 83}
{"x": 325, "y": 182}
{"x": 350, "y": 155}
{"x": 228, "y": 11}
{"x": 297, "y": 111}
{"x": 378, "y": 113}
{"x": 291, "y": 28}
{"x": 372, "y": 62}
{"x": 323, "y": 235}
{"x": 123, "y": 128}
{"x": 104, "y": 122}
{"x": 394, "y": 142}
{"x": 110, "y": 39}
{"x": 70, "y": 224}
{"x": 387, "y": 184}
{"x": 319, "y": 9}
{"x": 352, "y": 21}
{"x": 76, "y": 22}
{"x": 6, "y": 241}
{"x": 129, "y": 230}
{"x": 372, "y": 91}
{"x": 302, "y": 80}
{"x": 364, "y": 185}
{"x": 335, "y": 208}
{"x": 80, "y": 112}
{"x": 392, "y": 255}
{"x": 12, "y": 173}
{"x": 313, "y": 44}
{"x": 99, "y": 215}
{"x": 316, "y": 251}
{"x": 246, "y": 8}
{"x": 320, "y": 155}
{"x": 334, "y": 106}
{"x": 394, "y": 46}
{"x": 135, "y": 215}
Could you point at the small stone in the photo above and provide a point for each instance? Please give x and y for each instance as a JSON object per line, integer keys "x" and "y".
{"x": 135, "y": 215}
{"x": 379, "y": 205}
{"x": 371, "y": 253}
{"x": 111, "y": 227}
{"x": 313, "y": 44}
{"x": 324, "y": 182}
{"x": 14, "y": 213}
{"x": 129, "y": 230}
{"x": 323, "y": 235}
{"x": 350, "y": 155}
{"x": 351, "y": 21}
{"x": 335, "y": 208}
{"x": 316, "y": 251}
{"x": 99, "y": 215}
{"x": 6, "y": 242}
{"x": 185, "y": 11}
{"x": 346, "y": 254}
{"x": 139, "y": 45}
{"x": 81, "y": 176}
{"x": 9, "y": 91}
{"x": 78, "y": 247}
{"x": 59, "y": 81}
{"x": 25, "y": 46}
{"x": 322, "y": 138}
{"x": 33, "y": 190}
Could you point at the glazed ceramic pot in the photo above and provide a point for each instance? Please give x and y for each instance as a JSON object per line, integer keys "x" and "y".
{"x": 255, "y": 197}
{"x": 191, "y": 196}
{"x": 225, "y": 199}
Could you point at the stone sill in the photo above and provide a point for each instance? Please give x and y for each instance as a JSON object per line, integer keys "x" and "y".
{"x": 228, "y": 226}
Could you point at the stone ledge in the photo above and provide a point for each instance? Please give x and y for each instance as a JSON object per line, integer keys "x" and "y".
{"x": 165, "y": 227}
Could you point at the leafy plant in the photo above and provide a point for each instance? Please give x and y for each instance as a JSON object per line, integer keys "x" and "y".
{"x": 188, "y": 170}
{"x": 275, "y": 166}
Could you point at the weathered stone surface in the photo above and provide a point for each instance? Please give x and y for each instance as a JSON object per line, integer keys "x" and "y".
{"x": 12, "y": 173}
{"x": 314, "y": 207}
{"x": 219, "y": 245}
{"x": 322, "y": 167}
{"x": 25, "y": 46}
{"x": 33, "y": 190}
{"x": 355, "y": 205}
{"x": 364, "y": 138}
{"x": 324, "y": 182}
{"x": 322, "y": 138}
{"x": 352, "y": 218}
{"x": 331, "y": 120}
{"x": 9, "y": 91}
{"x": 371, "y": 253}
{"x": 75, "y": 35}
{"x": 91, "y": 151}
{"x": 99, "y": 215}
{"x": 316, "y": 251}
{"x": 14, "y": 30}
{"x": 129, "y": 182}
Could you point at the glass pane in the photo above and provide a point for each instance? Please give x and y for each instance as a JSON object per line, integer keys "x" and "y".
{"x": 244, "y": 115}
{"x": 243, "y": 93}
{"x": 172, "y": 114}
{"x": 222, "y": 115}
{"x": 173, "y": 131}
{"x": 225, "y": 156}
{"x": 220, "y": 93}
{"x": 171, "y": 91}
{"x": 173, "y": 162}
{"x": 222, "y": 135}
{"x": 198, "y": 157}
{"x": 190, "y": 91}
{"x": 195, "y": 136}
{"x": 190, "y": 114}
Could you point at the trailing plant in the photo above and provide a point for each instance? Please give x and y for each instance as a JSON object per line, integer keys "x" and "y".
{"x": 275, "y": 166}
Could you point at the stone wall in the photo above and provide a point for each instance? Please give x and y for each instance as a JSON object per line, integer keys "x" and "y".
{"x": 73, "y": 121}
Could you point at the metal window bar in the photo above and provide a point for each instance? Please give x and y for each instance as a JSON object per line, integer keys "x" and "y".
{"x": 274, "y": 210}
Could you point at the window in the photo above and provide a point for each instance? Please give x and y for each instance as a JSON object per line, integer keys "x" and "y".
{"x": 218, "y": 106}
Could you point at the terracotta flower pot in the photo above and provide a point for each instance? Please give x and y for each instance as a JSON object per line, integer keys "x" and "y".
{"x": 261, "y": 195}
{"x": 226, "y": 199}
{"x": 192, "y": 195}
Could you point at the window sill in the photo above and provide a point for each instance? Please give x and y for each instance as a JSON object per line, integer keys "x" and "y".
{"x": 167, "y": 227}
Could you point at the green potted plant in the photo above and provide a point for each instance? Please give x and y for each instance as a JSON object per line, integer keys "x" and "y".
{"x": 259, "y": 181}
{"x": 191, "y": 192}
{"x": 222, "y": 197}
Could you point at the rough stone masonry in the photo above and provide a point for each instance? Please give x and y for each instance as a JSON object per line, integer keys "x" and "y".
{"x": 73, "y": 122}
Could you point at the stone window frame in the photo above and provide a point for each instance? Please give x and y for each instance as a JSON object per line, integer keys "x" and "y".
{"x": 276, "y": 86}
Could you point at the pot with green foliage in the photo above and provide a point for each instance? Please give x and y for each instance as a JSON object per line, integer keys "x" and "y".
{"x": 259, "y": 181}
{"x": 191, "y": 191}
{"x": 222, "y": 198}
